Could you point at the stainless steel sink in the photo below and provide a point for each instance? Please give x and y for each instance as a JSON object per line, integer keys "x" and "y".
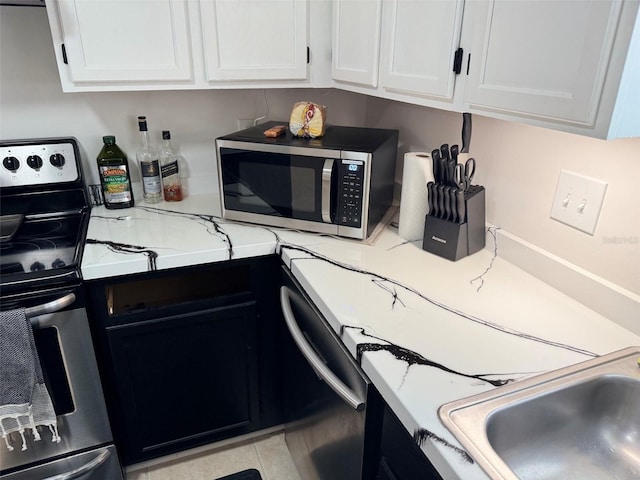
{"x": 580, "y": 422}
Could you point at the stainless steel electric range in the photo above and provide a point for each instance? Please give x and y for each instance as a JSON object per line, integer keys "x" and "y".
{"x": 44, "y": 217}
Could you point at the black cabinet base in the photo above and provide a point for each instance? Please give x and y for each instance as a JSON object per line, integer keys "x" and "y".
{"x": 189, "y": 356}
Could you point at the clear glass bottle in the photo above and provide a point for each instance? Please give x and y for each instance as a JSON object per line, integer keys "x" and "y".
{"x": 113, "y": 167}
{"x": 172, "y": 188}
{"x": 149, "y": 165}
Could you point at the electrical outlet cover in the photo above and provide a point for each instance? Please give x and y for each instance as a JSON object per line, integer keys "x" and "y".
{"x": 578, "y": 201}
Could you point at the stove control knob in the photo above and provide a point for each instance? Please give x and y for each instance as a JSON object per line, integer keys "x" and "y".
{"x": 57, "y": 263}
{"x": 57, "y": 160}
{"x": 37, "y": 267}
{"x": 11, "y": 163}
{"x": 34, "y": 161}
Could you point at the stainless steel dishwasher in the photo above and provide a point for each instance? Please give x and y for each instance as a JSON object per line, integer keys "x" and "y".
{"x": 332, "y": 409}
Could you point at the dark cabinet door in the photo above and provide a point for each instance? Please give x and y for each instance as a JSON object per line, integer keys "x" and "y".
{"x": 184, "y": 380}
{"x": 400, "y": 456}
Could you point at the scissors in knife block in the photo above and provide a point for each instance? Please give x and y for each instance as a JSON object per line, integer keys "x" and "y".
{"x": 464, "y": 173}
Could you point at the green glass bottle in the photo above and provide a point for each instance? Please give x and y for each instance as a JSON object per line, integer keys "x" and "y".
{"x": 115, "y": 177}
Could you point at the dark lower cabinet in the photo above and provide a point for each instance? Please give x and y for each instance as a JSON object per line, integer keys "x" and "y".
{"x": 185, "y": 376}
{"x": 190, "y": 356}
{"x": 400, "y": 456}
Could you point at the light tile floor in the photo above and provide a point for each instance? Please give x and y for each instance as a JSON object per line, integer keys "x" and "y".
{"x": 268, "y": 454}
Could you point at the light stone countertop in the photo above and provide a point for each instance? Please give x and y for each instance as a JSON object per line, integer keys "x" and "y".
{"x": 425, "y": 330}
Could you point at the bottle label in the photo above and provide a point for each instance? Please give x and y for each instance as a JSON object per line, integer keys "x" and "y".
{"x": 169, "y": 169}
{"x": 115, "y": 184}
{"x": 151, "y": 177}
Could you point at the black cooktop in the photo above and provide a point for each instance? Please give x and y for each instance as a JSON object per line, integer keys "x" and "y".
{"x": 49, "y": 198}
{"x": 43, "y": 251}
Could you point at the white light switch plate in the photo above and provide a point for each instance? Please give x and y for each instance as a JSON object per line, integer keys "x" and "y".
{"x": 578, "y": 201}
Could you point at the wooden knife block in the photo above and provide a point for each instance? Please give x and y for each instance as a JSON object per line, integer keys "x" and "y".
{"x": 453, "y": 240}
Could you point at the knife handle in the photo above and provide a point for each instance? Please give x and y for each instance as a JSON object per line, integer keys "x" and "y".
{"x": 453, "y": 204}
{"x": 435, "y": 208}
{"x": 466, "y": 132}
{"x": 435, "y": 160}
{"x": 430, "y": 198}
{"x": 447, "y": 202}
{"x": 451, "y": 172}
{"x": 444, "y": 151}
{"x": 461, "y": 206}
{"x": 454, "y": 152}
{"x": 440, "y": 194}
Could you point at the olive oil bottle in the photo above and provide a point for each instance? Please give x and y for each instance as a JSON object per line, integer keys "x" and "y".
{"x": 115, "y": 177}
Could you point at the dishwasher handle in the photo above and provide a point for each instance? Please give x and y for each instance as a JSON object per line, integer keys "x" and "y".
{"x": 348, "y": 395}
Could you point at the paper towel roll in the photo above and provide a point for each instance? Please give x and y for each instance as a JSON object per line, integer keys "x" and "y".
{"x": 414, "y": 200}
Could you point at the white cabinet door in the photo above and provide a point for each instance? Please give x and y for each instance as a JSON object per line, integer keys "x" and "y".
{"x": 125, "y": 40}
{"x": 255, "y": 39}
{"x": 419, "y": 41}
{"x": 356, "y": 41}
{"x": 545, "y": 60}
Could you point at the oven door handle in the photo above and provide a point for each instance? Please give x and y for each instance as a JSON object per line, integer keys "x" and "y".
{"x": 49, "y": 307}
{"x": 82, "y": 469}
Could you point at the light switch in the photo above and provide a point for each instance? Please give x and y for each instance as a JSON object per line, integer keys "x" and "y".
{"x": 578, "y": 201}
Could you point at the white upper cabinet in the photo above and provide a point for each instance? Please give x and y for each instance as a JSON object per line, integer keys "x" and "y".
{"x": 552, "y": 63}
{"x": 419, "y": 41}
{"x": 109, "y": 45}
{"x": 356, "y": 41}
{"x": 255, "y": 39}
{"x": 393, "y": 48}
{"x": 124, "y": 41}
{"x": 548, "y": 60}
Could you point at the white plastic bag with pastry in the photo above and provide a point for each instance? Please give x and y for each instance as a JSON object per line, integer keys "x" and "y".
{"x": 307, "y": 119}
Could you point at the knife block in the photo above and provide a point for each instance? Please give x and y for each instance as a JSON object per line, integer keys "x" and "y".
{"x": 453, "y": 240}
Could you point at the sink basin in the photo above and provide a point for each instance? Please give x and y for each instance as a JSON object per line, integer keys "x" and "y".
{"x": 579, "y": 422}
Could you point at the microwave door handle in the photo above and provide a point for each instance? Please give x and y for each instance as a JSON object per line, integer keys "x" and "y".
{"x": 327, "y": 170}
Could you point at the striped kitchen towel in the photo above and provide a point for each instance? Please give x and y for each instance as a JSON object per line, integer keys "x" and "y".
{"x": 25, "y": 403}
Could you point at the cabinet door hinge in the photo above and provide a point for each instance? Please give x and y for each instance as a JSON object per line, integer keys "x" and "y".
{"x": 308, "y": 55}
{"x": 457, "y": 61}
{"x": 64, "y": 55}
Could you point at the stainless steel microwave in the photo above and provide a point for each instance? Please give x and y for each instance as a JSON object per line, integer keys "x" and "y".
{"x": 339, "y": 184}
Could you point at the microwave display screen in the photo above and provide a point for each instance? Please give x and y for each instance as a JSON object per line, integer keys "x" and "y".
{"x": 272, "y": 184}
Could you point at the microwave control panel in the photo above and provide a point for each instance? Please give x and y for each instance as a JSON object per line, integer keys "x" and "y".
{"x": 351, "y": 190}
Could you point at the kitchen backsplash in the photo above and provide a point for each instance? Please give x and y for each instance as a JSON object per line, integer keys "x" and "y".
{"x": 519, "y": 165}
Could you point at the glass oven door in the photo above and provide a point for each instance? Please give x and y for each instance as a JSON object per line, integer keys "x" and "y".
{"x": 65, "y": 350}
{"x": 285, "y": 184}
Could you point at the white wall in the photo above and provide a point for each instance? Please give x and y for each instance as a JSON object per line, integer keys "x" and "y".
{"x": 32, "y": 104}
{"x": 519, "y": 166}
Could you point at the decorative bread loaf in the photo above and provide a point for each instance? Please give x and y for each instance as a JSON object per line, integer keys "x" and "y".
{"x": 308, "y": 119}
